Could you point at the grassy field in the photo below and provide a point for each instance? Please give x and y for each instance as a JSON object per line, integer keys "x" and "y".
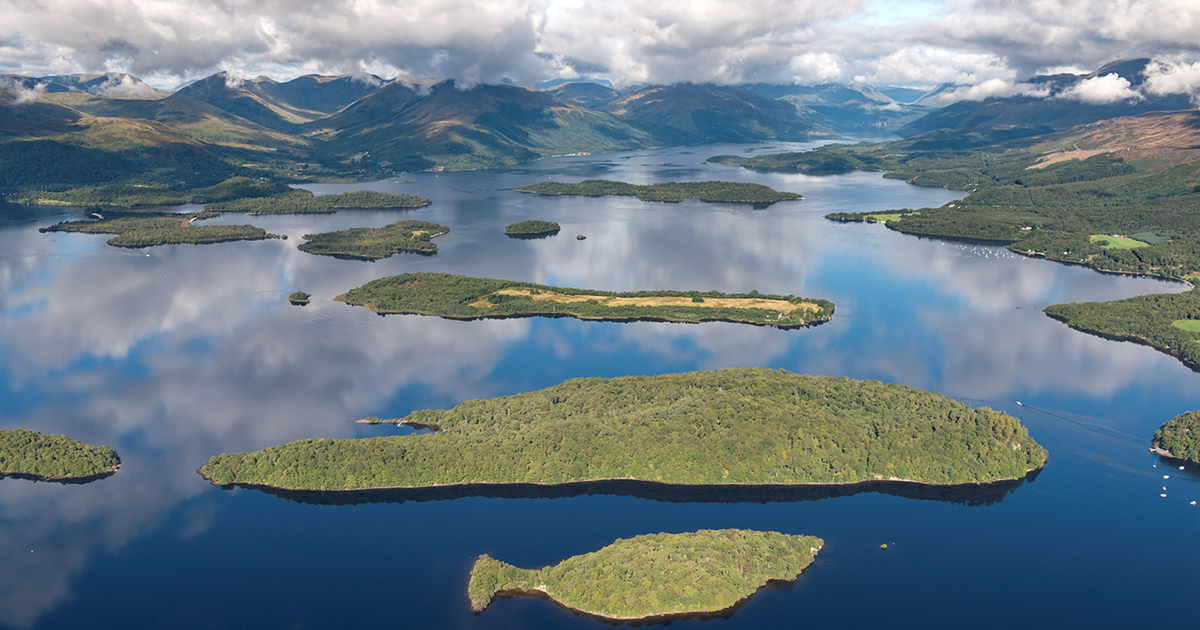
{"x": 654, "y": 575}
{"x": 1117, "y": 242}
{"x": 1190, "y": 325}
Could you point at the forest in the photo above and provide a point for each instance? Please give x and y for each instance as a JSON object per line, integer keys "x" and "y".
{"x": 1180, "y": 436}
{"x": 463, "y": 297}
{"x": 148, "y": 229}
{"x": 376, "y": 243}
{"x": 532, "y": 228}
{"x": 655, "y": 575}
{"x": 1158, "y": 320}
{"x": 672, "y": 192}
{"x": 297, "y": 201}
{"x": 25, "y": 452}
{"x": 730, "y": 426}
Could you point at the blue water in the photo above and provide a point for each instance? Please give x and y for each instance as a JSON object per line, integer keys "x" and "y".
{"x": 174, "y": 354}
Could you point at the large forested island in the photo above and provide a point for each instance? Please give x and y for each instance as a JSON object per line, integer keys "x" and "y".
{"x": 732, "y": 426}
{"x": 376, "y": 243}
{"x": 734, "y": 192}
{"x": 147, "y": 229}
{"x": 54, "y": 457}
{"x": 657, "y": 577}
{"x": 463, "y": 297}
{"x": 1180, "y": 437}
{"x": 1169, "y": 322}
{"x": 1117, "y": 195}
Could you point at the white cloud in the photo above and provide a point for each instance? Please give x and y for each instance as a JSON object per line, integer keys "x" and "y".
{"x": 1163, "y": 79}
{"x": 19, "y": 92}
{"x": 994, "y": 88}
{"x": 1103, "y": 90}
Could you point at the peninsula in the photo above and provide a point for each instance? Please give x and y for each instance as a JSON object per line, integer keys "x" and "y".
{"x": 673, "y": 192}
{"x": 376, "y": 243}
{"x": 1168, "y": 322}
{"x": 33, "y": 455}
{"x": 532, "y": 229}
{"x": 737, "y": 426}
{"x": 148, "y": 229}
{"x": 463, "y": 297}
{"x": 658, "y": 577}
{"x": 1179, "y": 437}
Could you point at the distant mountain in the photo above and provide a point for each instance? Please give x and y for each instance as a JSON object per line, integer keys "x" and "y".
{"x": 591, "y": 95}
{"x": 318, "y": 93}
{"x": 711, "y": 113}
{"x": 258, "y": 101}
{"x": 1016, "y": 116}
{"x": 112, "y": 85}
{"x": 848, "y": 107}
{"x": 406, "y": 127}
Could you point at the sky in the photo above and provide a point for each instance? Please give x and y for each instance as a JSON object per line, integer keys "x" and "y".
{"x": 916, "y": 43}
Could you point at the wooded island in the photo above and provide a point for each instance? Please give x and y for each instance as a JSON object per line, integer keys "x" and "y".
{"x": 673, "y": 192}
{"x": 32, "y": 454}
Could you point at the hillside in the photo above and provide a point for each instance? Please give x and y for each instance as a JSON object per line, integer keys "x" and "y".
{"x": 591, "y": 95}
{"x": 848, "y": 107}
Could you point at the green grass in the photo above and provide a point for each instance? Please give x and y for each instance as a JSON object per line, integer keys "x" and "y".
{"x": 653, "y": 575}
{"x": 1190, "y": 325}
{"x": 1117, "y": 242}
{"x": 731, "y": 426}
{"x": 376, "y": 243}
{"x": 673, "y": 192}
{"x": 884, "y": 218}
{"x": 32, "y": 453}
{"x": 463, "y": 297}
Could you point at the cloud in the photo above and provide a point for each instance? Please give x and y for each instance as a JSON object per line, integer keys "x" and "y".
{"x": 20, "y": 92}
{"x": 1163, "y": 79}
{"x": 994, "y": 88}
{"x": 1103, "y": 90}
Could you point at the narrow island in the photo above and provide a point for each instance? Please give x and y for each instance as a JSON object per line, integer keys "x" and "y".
{"x": 27, "y": 454}
{"x": 532, "y": 229}
{"x": 672, "y": 192}
{"x": 149, "y": 229}
{"x": 236, "y": 194}
{"x": 376, "y": 243}
{"x": 463, "y": 297}
{"x": 299, "y": 298}
{"x": 1179, "y": 437}
{"x": 655, "y": 577}
{"x": 740, "y": 427}
{"x": 1168, "y": 322}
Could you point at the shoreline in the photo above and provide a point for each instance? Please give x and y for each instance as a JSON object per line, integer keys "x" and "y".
{"x": 61, "y": 479}
{"x": 1138, "y": 339}
{"x": 656, "y": 618}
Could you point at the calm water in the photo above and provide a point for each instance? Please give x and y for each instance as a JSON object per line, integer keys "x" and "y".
{"x": 173, "y": 354}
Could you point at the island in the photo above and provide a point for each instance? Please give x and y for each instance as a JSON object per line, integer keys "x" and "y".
{"x": 736, "y": 426}
{"x": 1179, "y": 437}
{"x": 236, "y": 194}
{"x": 655, "y": 577}
{"x": 376, "y": 243}
{"x": 673, "y": 192}
{"x": 299, "y": 298}
{"x": 464, "y": 297}
{"x": 148, "y": 229}
{"x": 33, "y": 455}
{"x": 1168, "y": 322}
{"x": 532, "y": 229}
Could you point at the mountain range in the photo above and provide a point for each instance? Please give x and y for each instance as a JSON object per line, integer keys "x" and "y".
{"x": 70, "y": 130}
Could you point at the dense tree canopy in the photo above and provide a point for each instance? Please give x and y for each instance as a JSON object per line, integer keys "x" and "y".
{"x": 376, "y": 243}
{"x": 1180, "y": 436}
{"x": 736, "y": 192}
{"x": 26, "y": 452}
{"x": 1156, "y": 320}
{"x": 147, "y": 229}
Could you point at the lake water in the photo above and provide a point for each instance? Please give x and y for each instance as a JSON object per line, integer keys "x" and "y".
{"x": 173, "y": 354}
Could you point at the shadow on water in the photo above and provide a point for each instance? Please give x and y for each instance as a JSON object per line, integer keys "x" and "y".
{"x": 66, "y": 481}
{"x": 963, "y": 494}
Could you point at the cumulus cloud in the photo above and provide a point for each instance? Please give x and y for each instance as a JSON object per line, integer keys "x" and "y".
{"x": 19, "y": 91}
{"x": 1163, "y": 79}
{"x": 1102, "y": 90}
{"x": 994, "y": 88}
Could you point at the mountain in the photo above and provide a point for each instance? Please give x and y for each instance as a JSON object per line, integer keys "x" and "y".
{"x": 711, "y": 113}
{"x": 848, "y": 107}
{"x": 256, "y": 101}
{"x": 405, "y": 126}
{"x": 112, "y": 85}
{"x": 316, "y": 93}
{"x": 1017, "y": 116}
{"x": 591, "y": 95}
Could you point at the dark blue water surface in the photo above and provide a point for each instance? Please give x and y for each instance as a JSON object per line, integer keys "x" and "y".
{"x": 174, "y": 354}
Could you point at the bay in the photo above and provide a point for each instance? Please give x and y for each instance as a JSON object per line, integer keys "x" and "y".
{"x": 173, "y": 354}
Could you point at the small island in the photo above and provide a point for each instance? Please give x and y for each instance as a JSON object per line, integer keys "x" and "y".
{"x": 655, "y": 577}
{"x": 1179, "y": 438}
{"x": 29, "y": 454}
{"x": 732, "y": 427}
{"x": 463, "y": 297}
{"x": 376, "y": 243}
{"x": 304, "y": 202}
{"x": 807, "y": 162}
{"x": 1168, "y": 322}
{"x": 672, "y": 192}
{"x": 532, "y": 229}
{"x": 299, "y": 298}
{"x": 149, "y": 229}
